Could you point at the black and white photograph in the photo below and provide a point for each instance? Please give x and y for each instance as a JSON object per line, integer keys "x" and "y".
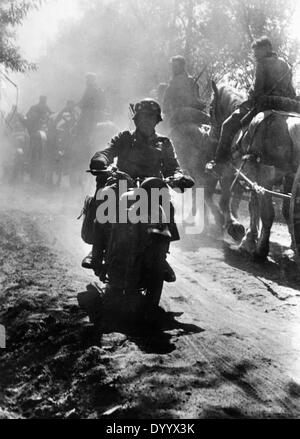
{"x": 149, "y": 212}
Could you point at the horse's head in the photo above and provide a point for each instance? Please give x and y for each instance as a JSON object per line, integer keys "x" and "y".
{"x": 225, "y": 100}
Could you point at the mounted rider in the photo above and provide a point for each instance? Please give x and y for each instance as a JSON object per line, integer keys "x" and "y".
{"x": 92, "y": 106}
{"x": 61, "y": 127}
{"x": 141, "y": 153}
{"x": 182, "y": 93}
{"x": 272, "y": 85}
{"x": 38, "y": 115}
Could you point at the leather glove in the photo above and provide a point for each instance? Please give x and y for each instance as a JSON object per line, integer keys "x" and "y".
{"x": 185, "y": 182}
{"x": 98, "y": 164}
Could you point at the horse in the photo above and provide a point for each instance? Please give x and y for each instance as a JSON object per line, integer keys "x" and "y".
{"x": 61, "y": 141}
{"x": 225, "y": 101}
{"x": 195, "y": 145}
{"x": 273, "y": 143}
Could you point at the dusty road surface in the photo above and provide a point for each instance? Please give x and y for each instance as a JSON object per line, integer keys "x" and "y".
{"x": 228, "y": 345}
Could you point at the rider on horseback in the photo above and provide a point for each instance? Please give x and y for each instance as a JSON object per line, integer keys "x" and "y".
{"x": 38, "y": 115}
{"x": 92, "y": 104}
{"x": 273, "y": 78}
{"x": 182, "y": 92}
{"x": 142, "y": 153}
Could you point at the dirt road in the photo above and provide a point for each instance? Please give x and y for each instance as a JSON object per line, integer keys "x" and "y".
{"x": 228, "y": 346}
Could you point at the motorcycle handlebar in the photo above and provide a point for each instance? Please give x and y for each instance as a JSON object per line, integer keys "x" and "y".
{"x": 171, "y": 181}
{"x": 98, "y": 171}
{"x": 108, "y": 172}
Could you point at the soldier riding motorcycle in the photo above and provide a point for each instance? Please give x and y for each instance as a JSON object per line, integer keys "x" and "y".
{"x": 140, "y": 154}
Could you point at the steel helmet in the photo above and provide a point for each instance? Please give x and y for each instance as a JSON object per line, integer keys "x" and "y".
{"x": 149, "y": 106}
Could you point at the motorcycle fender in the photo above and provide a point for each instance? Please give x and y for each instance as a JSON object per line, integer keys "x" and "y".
{"x": 162, "y": 232}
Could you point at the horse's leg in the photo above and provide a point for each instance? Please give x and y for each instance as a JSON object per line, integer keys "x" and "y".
{"x": 217, "y": 214}
{"x": 234, "y": 228}
{"x": 288, "y": 184}
{"x": 267, "y": 215}
{"x": 236, "y": 200}
{"x": 210, "y": 186}
{"x": 249, "y": 241}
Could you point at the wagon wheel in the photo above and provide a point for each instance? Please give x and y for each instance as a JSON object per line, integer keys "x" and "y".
{"x": 295, "y": 213}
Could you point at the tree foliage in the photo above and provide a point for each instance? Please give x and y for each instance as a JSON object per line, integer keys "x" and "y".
{"x": 12, "y": 13}
{"x": 129, "y": 43}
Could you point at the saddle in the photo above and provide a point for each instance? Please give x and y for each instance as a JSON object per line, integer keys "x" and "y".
{"x": 285, "y": 107}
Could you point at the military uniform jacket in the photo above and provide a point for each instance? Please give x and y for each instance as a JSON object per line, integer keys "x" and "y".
{"x": 182, "y": 92}
{"x": 139, "y": 156}
{"x": 93, "y": 101}
{"x": 36, "y": 116}
{"x": 273, "y": 77}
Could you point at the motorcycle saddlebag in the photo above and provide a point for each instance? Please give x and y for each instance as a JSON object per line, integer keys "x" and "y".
{"x": 88, "y": 214}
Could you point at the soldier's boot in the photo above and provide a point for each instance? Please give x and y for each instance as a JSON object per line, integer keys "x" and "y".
{"x": 87, "y": 261}
{"x": 169, "y": 274}
{"x": 94, "y": 259}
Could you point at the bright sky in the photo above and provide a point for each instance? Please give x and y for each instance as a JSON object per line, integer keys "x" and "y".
{"x": 295, "y": 32}
{"x": 295, "y": 25}
{"x": 42, "y": 26}
{"x": 38, "y": 29}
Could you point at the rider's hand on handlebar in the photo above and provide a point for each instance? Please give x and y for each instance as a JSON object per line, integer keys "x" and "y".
{"x": 97, "y": 165}
{"x": 182, "y": 182}
{"x": 187, "y": 181}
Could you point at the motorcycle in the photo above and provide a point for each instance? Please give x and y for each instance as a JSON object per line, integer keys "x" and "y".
{"x": 134, "y": 252}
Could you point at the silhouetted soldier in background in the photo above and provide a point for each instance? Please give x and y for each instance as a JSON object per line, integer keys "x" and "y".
{"x": 182, "y": 103}
{"x": 182, "y": 92}
{"x": 38, "y": 115}
{"x": 92, "y": 106}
